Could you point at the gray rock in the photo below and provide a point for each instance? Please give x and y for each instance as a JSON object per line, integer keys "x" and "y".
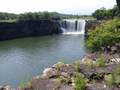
{"x": 66, "y": 87}
{"x": 100, "y": 86}
{"x": 93, "y": 72}
{"x": 67, "y": 70}
{"x": 45, "y": 84}
{"x": 50, "y": 72}
{"x": 7, "y": 87}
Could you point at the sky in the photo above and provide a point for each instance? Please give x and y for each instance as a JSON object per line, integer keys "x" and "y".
{"x": 81, "y": 7}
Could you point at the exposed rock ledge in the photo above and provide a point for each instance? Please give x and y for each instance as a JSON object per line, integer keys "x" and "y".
{"x": 91, "y": 25}
{"x": 61, "y": 77}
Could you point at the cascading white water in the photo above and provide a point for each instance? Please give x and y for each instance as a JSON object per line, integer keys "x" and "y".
{"x": 73, "y": 26}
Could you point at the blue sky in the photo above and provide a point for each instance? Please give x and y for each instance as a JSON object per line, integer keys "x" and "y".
{"x": 61, "y": 6}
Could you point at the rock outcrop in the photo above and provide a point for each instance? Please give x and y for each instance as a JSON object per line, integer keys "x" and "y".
{"x": 11, "y": 30}
{"x": 6, "y": 87}
{"x": 91, "y": 24}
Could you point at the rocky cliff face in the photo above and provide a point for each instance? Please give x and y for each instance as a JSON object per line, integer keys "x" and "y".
{"x": 91, "y": 24}
{"x": 28, "y": 28}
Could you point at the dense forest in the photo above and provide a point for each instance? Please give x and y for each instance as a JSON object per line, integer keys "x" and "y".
{"x": 10, "y": 17}
{"x": 28, "y": 16}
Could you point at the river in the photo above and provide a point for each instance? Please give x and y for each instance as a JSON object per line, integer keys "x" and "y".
{"x": 21, "y": 59}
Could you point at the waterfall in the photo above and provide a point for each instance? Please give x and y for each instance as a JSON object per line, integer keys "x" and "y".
{"x": 73, "y": 26}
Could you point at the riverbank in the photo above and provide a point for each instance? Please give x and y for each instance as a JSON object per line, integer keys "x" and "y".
{"x": 93, "y": 72}
{"x": 90, "y": 74}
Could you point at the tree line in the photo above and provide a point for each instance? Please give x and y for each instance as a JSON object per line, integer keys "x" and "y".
{"x": 39, "y": 16}
{"x": 104, "y": 13}
{"x": 8, "y": 16}
{"x": 100, "y": 14}
{"x": 29, "y": 16}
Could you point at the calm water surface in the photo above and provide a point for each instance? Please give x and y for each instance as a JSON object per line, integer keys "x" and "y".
{"x": 20, "y": 59}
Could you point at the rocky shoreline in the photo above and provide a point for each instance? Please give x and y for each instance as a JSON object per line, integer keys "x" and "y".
{"x": 62, "y": 76}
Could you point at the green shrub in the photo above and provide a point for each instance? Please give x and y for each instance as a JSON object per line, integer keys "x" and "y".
{"x": 89, "y": 63}
{"x": 76, "y": 65}
{"x": 110, "y": 80}
{"x": 104, "y": 35}
{"x": 114, "y": 78}
{"x": 64, "y": 80}
{"x": 59, "y": 65}
{"x": 101, "y": 62}
{"x": 25, "y": 85}
{"x": 80, "y": 83}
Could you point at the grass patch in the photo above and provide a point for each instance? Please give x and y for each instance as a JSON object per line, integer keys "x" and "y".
{"x": 114, "y": 78}
{"x": 80, "y": 83}
{"x": 101, "y": 62}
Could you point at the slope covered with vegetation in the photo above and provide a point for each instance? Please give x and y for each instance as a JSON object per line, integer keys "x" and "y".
{"x": 108, "y": 33}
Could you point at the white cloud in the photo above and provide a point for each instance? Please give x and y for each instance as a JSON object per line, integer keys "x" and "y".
{"x": 63, "y": 6}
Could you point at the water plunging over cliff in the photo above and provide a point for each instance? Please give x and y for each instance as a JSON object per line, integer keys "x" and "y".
{"x": 73, "y": 26}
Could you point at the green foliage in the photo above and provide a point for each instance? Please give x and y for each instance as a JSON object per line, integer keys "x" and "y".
{"x": 80, "y": 83}
{"x": 64, "y": 80}
{"x": 59, "y": 65}
{"x": 107, "y": 33}
{"x": 76, "y": 65}
{"x": 118, "y": 3}
{"x": 109, "y": 79}
{"x": 114, "y": 78}
{"x": 25, "y": 85}
{"x": 89, "y": 63}
{"x": 104, "y": 13}
{"x": 8, "y": 16}
{"x": 101, "y": 62}
{"x": 38, "y": 16}
{"x": 29, "y": 16}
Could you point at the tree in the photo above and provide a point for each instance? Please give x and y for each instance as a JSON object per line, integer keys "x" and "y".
{"x": 99, "y": 13}
{"x": 7, "y": 16}
{"x": 38, "y": 16}
{"x": 104, "y": 13}
{"x": 118, "y": 3}
{"x": 115, "y": 11}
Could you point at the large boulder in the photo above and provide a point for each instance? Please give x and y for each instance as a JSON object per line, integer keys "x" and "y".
{"x": 92, "y": 73}
{"x": 45, "y": 84}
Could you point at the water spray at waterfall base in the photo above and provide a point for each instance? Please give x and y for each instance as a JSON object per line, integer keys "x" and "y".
{"x": 73, "y": 27}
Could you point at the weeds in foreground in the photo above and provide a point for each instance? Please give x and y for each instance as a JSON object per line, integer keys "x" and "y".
{"x": 114, "y": 78}
{"x": 80, "y": 83}
{"x": 25, "y": 85}
{"x": 101, "y": 62}
{"x": 77, "y": 65}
